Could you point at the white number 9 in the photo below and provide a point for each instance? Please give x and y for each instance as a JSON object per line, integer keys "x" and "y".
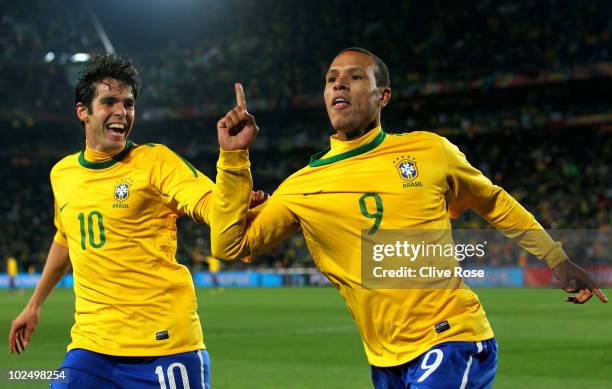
{"x": 431, "y": 367}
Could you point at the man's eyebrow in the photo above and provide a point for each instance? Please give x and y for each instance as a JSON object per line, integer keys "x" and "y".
{"x": 113, "y": 99}
{"x": 351, "y": 69}
{"x": 108, "y": 99}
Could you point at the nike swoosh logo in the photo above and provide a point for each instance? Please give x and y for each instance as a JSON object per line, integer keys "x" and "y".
{"x": 63, "y": 206}
{"x": 313, "y": 193}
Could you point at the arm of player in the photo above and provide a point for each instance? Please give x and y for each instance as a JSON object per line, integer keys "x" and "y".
{"x": 235, "y": 231}
{"x": 469, "y": 188}
{"x": 184, "y": 188}
{"x": 25, "y": 323}
{"x": 187, "y": 189}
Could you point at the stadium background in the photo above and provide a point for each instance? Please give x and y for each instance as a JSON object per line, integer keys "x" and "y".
{"x": 523, "y": 87}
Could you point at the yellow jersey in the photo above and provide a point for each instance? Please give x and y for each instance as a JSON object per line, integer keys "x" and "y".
{"x": 214, "y": 265}
{"x": 118, "y": 220}
{"x": 11, "y": 267}
{"x": 336, "y": 197}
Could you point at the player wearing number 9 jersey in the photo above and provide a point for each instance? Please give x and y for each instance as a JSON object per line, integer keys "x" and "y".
{"x": 116, "y": 205}
{"x": 370, "y": 180}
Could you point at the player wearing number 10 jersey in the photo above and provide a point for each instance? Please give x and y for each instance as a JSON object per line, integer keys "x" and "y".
{"x": 116, "y": 205}
{"x": 141, "y": 302}
{"x": 370, "y": 180}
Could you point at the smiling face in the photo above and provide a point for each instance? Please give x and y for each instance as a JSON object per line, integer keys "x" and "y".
{"x": 352, "y": 98}
{"x": 110, "y": 120}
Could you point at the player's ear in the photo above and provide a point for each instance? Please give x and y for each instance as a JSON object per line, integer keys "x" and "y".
{"x": 82, "y": 112}
{"x": 385, "y": 96}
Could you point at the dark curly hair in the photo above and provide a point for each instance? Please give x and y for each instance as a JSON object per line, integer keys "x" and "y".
{"x": 102, "y": 67}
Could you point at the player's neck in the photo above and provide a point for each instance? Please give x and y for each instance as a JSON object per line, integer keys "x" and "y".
{"x": 345, "y": 136}
{"x": 93, "y": 155}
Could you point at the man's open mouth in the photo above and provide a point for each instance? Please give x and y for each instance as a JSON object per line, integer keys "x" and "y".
{"x": 117, "y": 128}
{"x": 340, "y": 102}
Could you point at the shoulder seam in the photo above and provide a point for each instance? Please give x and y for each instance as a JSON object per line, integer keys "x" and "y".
{"x": 194, "y": 171}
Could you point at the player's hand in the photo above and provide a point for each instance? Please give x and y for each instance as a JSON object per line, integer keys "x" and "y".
{"x": 22, "y": 328}
{"x": 575, "y": 280}
{"x": 257, "y": 198}
{"x": 237, "y": 129}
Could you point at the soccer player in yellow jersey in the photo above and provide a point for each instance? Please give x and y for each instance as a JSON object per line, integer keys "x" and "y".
{"x": 417, "y": 338}
{"x": 11, "y": 272}
{"x": 214, "y": 266}
{"x": 116, "y": 205}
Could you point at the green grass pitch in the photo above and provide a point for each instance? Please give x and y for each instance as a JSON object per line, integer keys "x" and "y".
{"x": 292, "y": 338}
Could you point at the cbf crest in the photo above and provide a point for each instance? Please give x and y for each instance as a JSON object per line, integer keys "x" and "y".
{"x": 406, "y": 167}
{"x": 121, "y": 192}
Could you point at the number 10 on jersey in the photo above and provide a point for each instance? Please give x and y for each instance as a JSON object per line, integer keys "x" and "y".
{"x": 95, "y": 242}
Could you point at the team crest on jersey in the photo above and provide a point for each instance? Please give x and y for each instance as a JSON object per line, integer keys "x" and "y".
{"x": 407, "y": 169}
{"x": 121, "y": 192}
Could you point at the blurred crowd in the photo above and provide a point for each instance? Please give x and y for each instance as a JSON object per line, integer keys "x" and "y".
{"x": 280, "y": 50}
{"x": 546, "y": 141}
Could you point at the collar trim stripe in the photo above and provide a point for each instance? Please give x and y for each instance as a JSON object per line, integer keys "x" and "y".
{"x": 106, "y": 164}
{"x": 316, "y": 160}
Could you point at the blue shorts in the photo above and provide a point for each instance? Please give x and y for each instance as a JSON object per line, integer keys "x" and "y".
{"x": 457, "y": 365}
{"x": 87, "y": 369}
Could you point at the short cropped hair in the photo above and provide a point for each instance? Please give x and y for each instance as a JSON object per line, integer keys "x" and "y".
{"x": 381, "y": 74}
{"x": 100, "y": 68}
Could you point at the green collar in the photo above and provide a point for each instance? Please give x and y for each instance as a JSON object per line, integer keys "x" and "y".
{"x": 106, "y": 164}
{"x": 316, "y": 160}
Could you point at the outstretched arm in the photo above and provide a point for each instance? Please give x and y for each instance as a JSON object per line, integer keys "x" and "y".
{"x": 469, "y": 188}
{"x": 25, "y": 323}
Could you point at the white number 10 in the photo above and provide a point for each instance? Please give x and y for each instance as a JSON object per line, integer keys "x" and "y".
{"x": 170, "y": 371}
{"x": 431, "y": 367}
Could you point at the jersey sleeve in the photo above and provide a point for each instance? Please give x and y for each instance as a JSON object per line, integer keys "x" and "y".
{"x": 235, "y": 230}
{"x": 60, "y": 235}
{"x": 187, "y": 190}
{"x": 469, "y": 188}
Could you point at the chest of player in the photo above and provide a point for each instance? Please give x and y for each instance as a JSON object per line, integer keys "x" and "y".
{"x": 390, "y": 190}
{"x": 95, "y": 203}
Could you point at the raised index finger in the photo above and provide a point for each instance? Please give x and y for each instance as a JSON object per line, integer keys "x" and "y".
{"x": 240, "y": 99}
